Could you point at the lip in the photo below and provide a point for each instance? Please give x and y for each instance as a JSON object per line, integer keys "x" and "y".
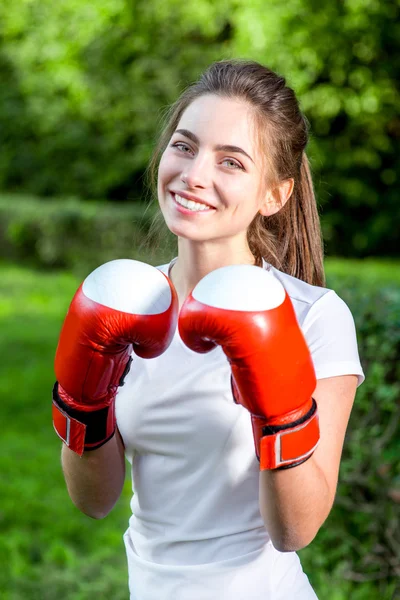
{"x": 190, "y": 197}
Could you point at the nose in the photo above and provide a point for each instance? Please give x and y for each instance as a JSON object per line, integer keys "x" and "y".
{"x": 197, "y": 173}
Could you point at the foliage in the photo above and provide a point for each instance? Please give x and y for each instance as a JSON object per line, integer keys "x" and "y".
{"x": 49, "y": 550}
{"x": 362, "y": 532}
{"x": 342, "y": 59}
{"x": 76, "y": 235}
{"x": 84, "y": 84}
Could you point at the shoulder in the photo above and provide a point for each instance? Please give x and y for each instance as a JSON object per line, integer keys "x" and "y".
{"x": 166, "y": 267}
{"x": 163, "y": 268}
{"x": 328, "y": 327}
{"x": 304, "y": 296}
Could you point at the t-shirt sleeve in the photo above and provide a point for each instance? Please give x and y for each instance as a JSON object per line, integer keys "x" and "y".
{"x": 331, "y": 337}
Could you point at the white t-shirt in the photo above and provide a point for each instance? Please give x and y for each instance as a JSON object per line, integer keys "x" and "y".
{"x": 196, "y": 531}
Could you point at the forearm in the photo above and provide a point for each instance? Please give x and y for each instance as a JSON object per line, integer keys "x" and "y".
{"x": 95, "y": 480}
{"x": 294, "y": 503}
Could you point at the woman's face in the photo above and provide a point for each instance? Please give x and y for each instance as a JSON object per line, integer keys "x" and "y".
{"x": 211, "y": 182}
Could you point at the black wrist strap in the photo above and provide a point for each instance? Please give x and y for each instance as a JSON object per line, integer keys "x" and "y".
{"x": 98, "y": 430}
{"x": 272, "y": 429}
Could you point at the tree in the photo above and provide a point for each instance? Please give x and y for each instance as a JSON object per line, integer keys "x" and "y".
{"x": 343, "y": 60}
{"x": 85, "y": 85}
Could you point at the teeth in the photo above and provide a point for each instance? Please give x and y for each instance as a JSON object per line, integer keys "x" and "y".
{"x": 190, "y": 204}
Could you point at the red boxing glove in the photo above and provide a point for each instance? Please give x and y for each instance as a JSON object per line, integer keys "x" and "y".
{"x": 246, "y": 311}
{"x": 123, "y": 305}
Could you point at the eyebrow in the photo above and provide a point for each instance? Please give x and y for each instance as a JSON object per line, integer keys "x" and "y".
{"x": 219, "y": 148}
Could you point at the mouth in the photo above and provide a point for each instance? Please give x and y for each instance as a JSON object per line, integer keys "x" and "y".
{"x": 191, "y": 205}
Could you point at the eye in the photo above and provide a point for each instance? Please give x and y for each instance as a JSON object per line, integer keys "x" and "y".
{"x": 182, "y": 147}
{"x": 232, "y": 164}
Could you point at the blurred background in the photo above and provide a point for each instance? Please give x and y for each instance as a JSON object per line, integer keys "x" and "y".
{"x": 83, "y": 88}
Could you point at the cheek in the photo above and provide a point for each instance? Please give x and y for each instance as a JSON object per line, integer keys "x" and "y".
{"x": 166, "y": 174}
{"x": 159, "y": 185}
{"x": 242, "y": 197}
{"x": 167, "y": 167}
{"x": 163, "y": 177}
{"x": 161, "y": 172}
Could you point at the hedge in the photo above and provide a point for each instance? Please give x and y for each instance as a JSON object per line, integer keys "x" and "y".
{"x": 360, "y": 541}
{"x": 76, "y": 235}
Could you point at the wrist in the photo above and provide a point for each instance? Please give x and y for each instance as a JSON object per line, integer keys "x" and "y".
{"x": 286, "y": 443}
{"x": 82, "y": 430}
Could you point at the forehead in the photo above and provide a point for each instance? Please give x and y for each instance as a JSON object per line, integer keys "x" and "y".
{"x": 220, "y": 120}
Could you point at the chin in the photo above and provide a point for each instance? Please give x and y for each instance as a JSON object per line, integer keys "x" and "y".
{"x": 184, "y": 232}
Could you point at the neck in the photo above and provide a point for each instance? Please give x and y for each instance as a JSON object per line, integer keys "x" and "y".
{"x": 196, "y": 260}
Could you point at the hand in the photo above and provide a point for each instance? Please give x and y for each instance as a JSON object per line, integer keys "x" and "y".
{"x": 123, "y": 305}
{"x": 246, "y": 311}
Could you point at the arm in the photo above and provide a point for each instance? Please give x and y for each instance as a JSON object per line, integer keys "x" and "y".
{"x": 295, "y": 502}
{"x": 298, "y": 424}
{"x": 122, "y": 306}
{"x": 95, "y": 480}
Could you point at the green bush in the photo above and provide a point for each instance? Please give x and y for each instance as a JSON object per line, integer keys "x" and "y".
{"x": 360, "y": 541}
{"x": 76, "y": 235}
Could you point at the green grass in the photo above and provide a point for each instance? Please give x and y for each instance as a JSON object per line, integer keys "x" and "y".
{"x": 371, "y": 271}
{"x": 48, "y": 549}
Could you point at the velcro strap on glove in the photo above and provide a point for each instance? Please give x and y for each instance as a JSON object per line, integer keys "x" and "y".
{"x": 289, "y": 445}
{"x": 82, "y": 430}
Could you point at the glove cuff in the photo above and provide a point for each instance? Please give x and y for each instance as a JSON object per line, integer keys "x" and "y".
{"x": 287, "y": 445}
{"x": 82, "y": 430}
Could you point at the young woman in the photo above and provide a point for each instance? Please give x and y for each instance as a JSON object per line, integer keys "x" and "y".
{"x": 234, "y": 422}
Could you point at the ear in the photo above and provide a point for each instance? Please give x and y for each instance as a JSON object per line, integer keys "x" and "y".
{"x": 277, "y": 197}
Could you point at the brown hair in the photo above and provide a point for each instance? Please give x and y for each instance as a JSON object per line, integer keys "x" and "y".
{"x": 291, "y": 239}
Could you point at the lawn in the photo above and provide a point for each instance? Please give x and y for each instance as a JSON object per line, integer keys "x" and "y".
{"x": 48, "y": 549}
